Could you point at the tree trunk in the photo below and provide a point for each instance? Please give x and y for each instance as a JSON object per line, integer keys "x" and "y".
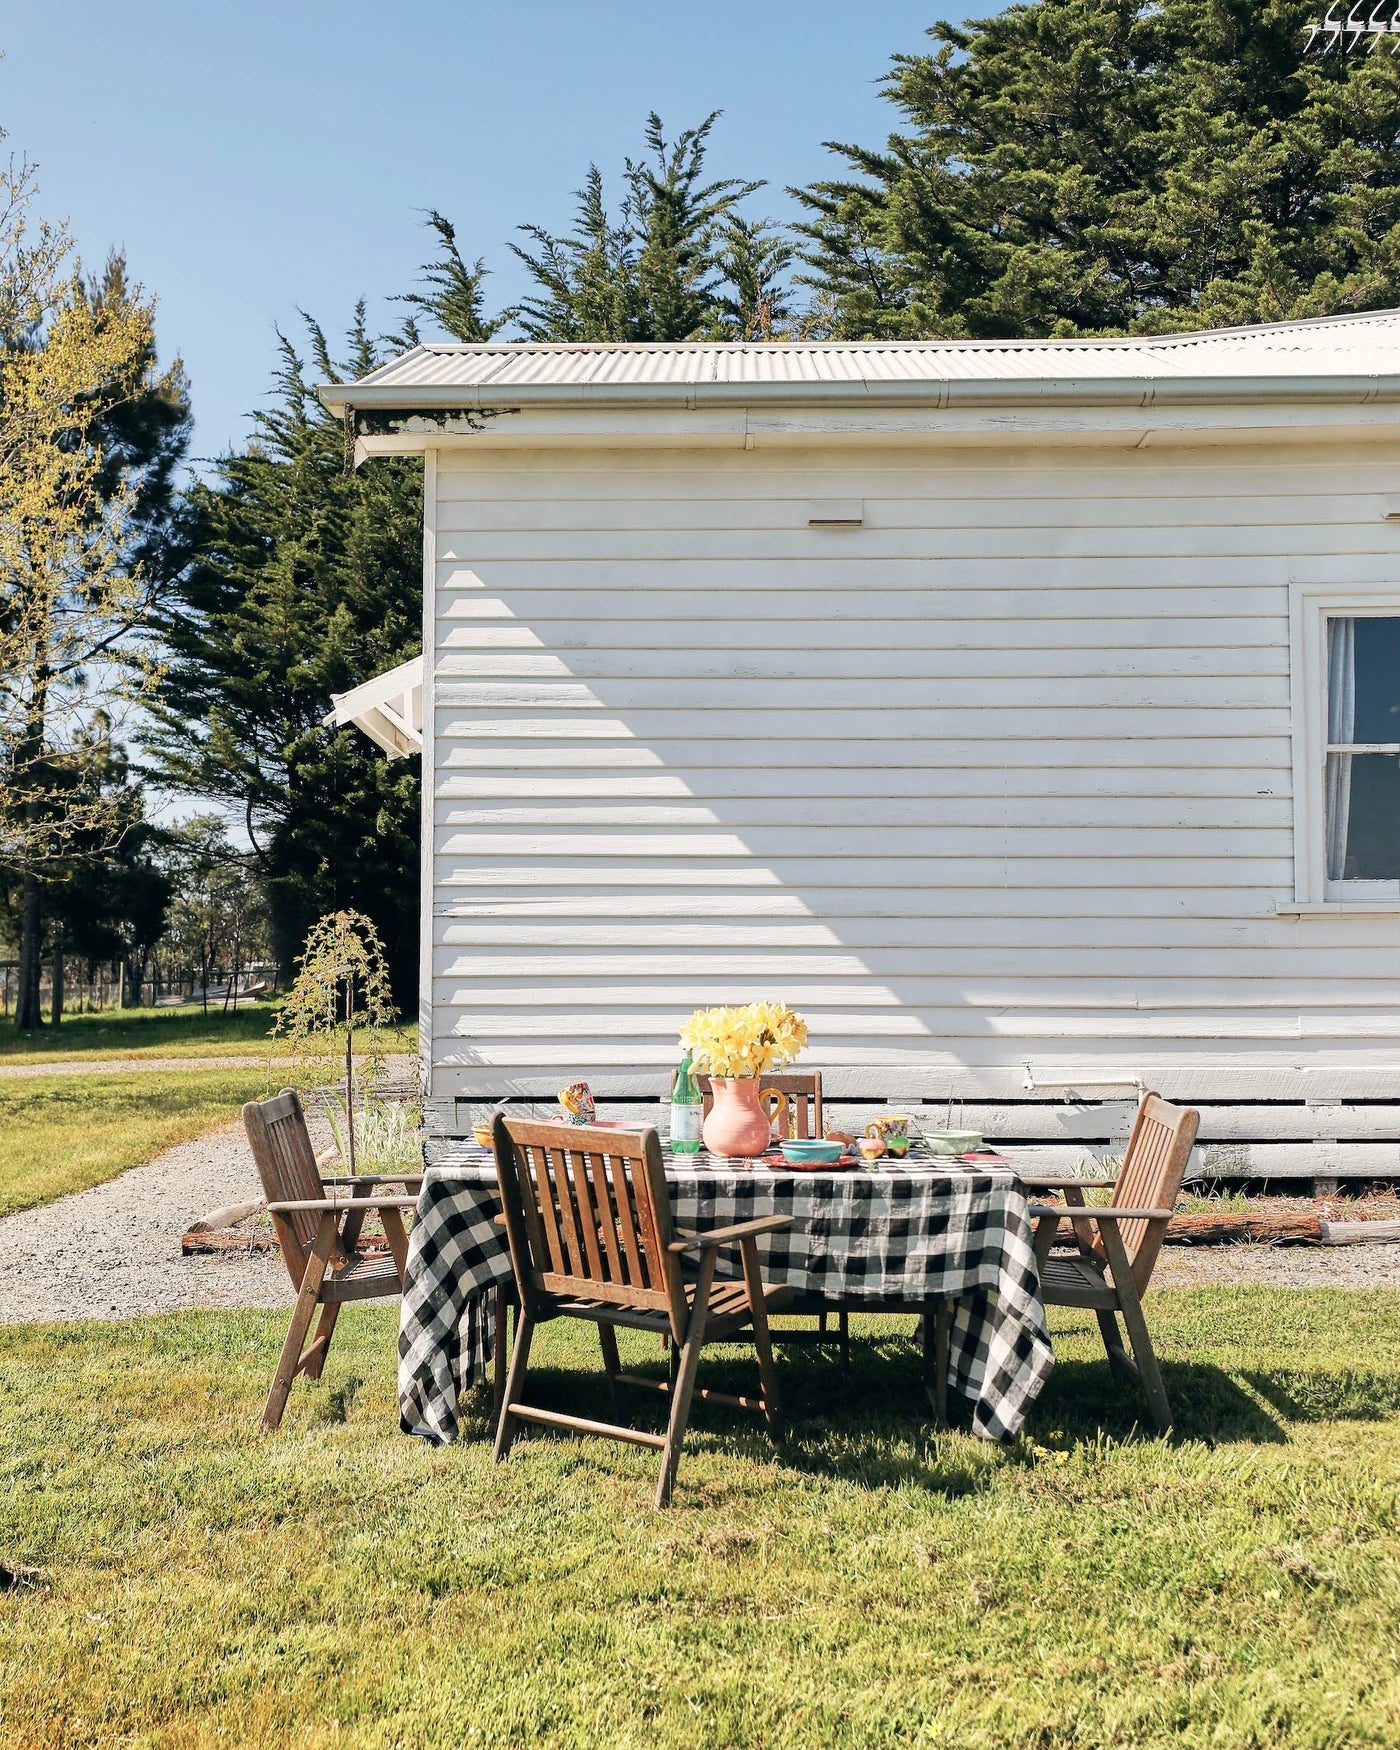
{"x": 1217, "y": 1230}
{"x": 31, "y": 932}
{"x": 57, "y": 975}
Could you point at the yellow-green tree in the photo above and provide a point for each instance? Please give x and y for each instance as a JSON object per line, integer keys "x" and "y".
{"x": 341, "y": 990}
{"x": 80, "y": 460}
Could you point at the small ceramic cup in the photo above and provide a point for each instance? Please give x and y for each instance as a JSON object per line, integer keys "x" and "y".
{"x": 893, "y": 1130}
{"x": 871, "y": 1148}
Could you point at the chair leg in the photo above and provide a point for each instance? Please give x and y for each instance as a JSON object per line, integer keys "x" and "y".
{"x": 685, "y": 1381}
{"x": 612, "y": 1361}
{"x": 1119, "y": 1360}
{"x": 762, "y": 1340}
{"x": 307, "y": 1297}
{"x": 519, "y": 1361}
{"x": 321, "y": 1342}
{"x": 843, "y": 1331}
{"x": 499, "y": 1342}
{"x": 1131, "y": 1308}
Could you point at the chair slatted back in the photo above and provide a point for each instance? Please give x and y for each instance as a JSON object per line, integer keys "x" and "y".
{"x": 286, "y": 1164}
{"x": 588, "y": 1215}
{"x": 802, "y": 1089}
{"x": 1150, "y": 1178}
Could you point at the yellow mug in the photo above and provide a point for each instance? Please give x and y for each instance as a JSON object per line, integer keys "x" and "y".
{"x": 893, "y": 1130}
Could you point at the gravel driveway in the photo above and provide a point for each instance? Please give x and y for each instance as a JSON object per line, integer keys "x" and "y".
{"x": 114, "y": 1251}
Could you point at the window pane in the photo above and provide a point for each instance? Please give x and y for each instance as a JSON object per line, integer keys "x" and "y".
{"x": 1363, "y": 816}
{"x": 1377, "y": 679}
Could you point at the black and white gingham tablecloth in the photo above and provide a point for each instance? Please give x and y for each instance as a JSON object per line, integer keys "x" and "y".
{"x": 900, "y": 1232}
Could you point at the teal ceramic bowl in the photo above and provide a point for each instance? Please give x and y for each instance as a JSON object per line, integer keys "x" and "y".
{"x": 808, "y": 1154}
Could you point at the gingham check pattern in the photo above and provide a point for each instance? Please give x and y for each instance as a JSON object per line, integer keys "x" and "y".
{"x": 902, "y": 1232}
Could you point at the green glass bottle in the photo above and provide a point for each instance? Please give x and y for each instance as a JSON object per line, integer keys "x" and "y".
{"x": 687, "y": 1111}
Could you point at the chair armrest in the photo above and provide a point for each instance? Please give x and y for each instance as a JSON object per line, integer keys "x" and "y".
{"x": 1064, "y": 1182}
{"x": 377, "y": 1179}
{"x": 728, "y": 1236}
{"x": 355, "y": 1205}
{"x": 1095, "y": 1212}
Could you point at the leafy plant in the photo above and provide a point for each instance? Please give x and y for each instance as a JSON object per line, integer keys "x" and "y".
{"x": 342, "y": 989}
{"x": 388, "y": 1138}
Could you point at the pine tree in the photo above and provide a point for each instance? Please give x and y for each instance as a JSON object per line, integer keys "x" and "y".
{"x": 1101, "y": 166}
{"x": 303, "y": 581}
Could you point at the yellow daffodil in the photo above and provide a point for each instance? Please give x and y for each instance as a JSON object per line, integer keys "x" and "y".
{"x": 747, "y": 1041}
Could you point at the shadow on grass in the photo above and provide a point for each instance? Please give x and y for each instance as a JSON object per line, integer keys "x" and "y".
{"x": 1313, "y": 1395}
{"x": 1082, "y": 1399}
{"x": 870, "y": 1427}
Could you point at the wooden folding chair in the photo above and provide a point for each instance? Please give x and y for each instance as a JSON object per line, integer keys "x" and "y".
{"x": 588, "y": 1218}
{"x": 1117, "y": 1244}
{"x": 318, "y": 1233}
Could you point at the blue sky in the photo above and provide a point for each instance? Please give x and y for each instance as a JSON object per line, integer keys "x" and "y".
{"x": 255, "y": 158}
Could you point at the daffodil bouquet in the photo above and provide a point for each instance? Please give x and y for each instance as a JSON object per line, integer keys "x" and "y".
{"x": 749, "y": 1041}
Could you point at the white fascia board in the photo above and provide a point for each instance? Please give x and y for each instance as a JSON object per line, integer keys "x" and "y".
{"x": 388, "y": 708}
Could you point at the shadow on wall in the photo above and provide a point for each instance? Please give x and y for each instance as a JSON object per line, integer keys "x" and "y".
{"x": 631, "y": 824}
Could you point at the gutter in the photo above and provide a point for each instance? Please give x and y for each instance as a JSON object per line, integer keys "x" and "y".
{"x": 1130, "y": 392}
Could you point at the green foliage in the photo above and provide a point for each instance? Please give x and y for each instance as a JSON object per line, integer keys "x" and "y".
{"x": 1096, "y": 166}
{"x": 676, "y": 261}
{"x": 650, "y": 272}
{"x": 387, "y": 1136}
{"x": 455, "y": 299}
{"x": 303, "y": 581}
{"x": 218, "y": 918}
{"x": 872, "y": 1586}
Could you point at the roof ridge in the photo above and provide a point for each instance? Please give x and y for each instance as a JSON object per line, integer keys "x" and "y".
{"x": 1066, "y": 343}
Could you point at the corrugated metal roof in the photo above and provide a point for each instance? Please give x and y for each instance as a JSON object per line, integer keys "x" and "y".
{"x": 1345, "y": 346}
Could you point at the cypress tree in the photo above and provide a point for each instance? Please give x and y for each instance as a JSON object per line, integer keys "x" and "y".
{"x": 303, "y": 581}
{"x": 1102, "y": 166}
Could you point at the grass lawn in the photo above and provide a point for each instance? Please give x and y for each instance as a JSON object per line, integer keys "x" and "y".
{"x": 135, "y": 1033}
{"x": 182, "y": 1581}
{"x": 63, "y": 1133}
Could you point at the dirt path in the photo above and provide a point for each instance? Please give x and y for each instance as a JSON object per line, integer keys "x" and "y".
{"x": 106, "y": 1066}
{"x": 114, "y": 1251}
{"x": 1279, "y": 1266}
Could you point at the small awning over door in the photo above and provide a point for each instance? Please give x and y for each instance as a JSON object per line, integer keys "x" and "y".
{"x": 388, "y": 708}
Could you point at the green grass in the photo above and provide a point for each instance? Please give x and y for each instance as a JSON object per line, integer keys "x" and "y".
{"x": 63, "y": 1133}
{"x": 136, "y": 1033}
{"x": 190, "y": 1583}
{"x": 182, "y": 1032}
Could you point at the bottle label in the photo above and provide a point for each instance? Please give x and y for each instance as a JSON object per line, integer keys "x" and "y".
{"x": 685, "y": 1123}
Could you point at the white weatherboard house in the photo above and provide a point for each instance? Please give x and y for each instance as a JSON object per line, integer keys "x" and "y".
{"x": 1026, "y": 714}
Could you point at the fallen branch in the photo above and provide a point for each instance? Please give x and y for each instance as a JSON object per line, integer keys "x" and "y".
{"x": 1220, "y": 1230}
{"x": 1360, "y": 1233}
{"x": 201, "y": 1239}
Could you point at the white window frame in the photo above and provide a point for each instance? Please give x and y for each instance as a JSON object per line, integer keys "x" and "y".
{"x": 1310, "y": 607}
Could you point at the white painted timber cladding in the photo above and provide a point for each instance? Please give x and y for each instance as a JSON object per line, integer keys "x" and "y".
{"x": 1001, "y": 777}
